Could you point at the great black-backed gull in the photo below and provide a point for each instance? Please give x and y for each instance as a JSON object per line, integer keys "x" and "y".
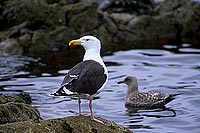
{"x": 137, "y": 99}
{"x": 87, "y": 78}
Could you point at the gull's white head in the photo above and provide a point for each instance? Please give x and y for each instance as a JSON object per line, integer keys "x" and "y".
{"x": 88, "y": 42}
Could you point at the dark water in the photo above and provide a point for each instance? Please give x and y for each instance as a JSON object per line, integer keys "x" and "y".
{"x": 170, "y": 70}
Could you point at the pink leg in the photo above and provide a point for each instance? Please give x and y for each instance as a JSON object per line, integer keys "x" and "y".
{"x": 92, "y": 117}
{"x": 79, "y": 107}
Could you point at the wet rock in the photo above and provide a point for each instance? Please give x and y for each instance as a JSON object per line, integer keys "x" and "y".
{"x": 136, "y": 7}
{"x": 177, "y": 22}
{"x": 40, "y": 41}
{"x": 37, "y": 13}
{"x": 45, "y": 26}
{"x": 16, "y": 30}
{"x": 16, "y": 108}
{"x": 109, "y": 24}
{"x": 62, "y": 2}
{"x": 154, "y": 28}
{"x": 2, "y": 22}
{"x": 28, "y": 19}
{"x": 122, "y": 18}
{"x": 186, "y": 14}
{"x": 81, "y": 16}
{"x": 140, "y": 32}
{"x": 60, "y": 37}
{"x": 10, "y": 46}
{"x": 188, "y": 17}
{"x": 20, "y": 98}
{"x": 15, "y": 112}
{"x": 25, "y": 41}
{"x": 53, "y": 40}
{"x": 71, "y": 124}
{"x": 171, "y": 5}
{"x": 102, "y": 33}
{"x": 3, "y": 35}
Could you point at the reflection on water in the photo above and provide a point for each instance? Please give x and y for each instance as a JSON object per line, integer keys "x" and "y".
{"x": 152, "y": 113}
{"x": 10, "y": 65}
{"x": 157, "y": 70}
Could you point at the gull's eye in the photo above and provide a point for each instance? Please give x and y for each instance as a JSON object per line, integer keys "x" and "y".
{"x": 87, "y": 39}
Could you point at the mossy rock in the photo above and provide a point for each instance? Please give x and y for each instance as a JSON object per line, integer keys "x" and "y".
{"x": 81, "y": 16}
{"x": 37, "y": 13}
{"x": 15, "y": 112}
{"x": 17, "y": 108}
{"x": 71, "y": 124}
{"x": 19, "y": 98}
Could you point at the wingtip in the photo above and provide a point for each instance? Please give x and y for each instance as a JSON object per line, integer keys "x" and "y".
{"x": 52, "y": 94}
{"x": 58, "y": 94}
{"x": 173, "y": 95}
{"x": 55, "y": 94}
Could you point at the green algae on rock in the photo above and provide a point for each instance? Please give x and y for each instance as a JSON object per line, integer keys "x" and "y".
{"x": 71, "y": 124}
{"x": 17, "y": 108}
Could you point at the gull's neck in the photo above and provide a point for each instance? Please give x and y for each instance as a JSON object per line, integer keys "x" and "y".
{"x": 132, "y": 89}
{"x": 93, "y": 54}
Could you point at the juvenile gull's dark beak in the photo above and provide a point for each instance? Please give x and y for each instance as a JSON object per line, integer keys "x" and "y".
{"x": 120, "y": 82}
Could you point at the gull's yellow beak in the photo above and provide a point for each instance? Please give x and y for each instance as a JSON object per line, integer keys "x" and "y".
{"x": 74, "y": 42}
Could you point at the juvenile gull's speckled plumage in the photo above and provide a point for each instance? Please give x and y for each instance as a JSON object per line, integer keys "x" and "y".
{"x": 87, "y": 78}
{"x": 137, "y": 99}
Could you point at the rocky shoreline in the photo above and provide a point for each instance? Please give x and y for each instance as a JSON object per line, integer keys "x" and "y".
{"x": 71, "y": 124}
{"x": 17, "y": 115}
{"x": 16, "y": 108}
{"x": 44, "y": 26}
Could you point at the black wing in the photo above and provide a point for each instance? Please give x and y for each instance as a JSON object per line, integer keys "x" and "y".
{"x": 86, "y": 77}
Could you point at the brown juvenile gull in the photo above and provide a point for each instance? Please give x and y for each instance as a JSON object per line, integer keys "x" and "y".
{"x": 150, "y": 99}
{"x": 87, "y": 78}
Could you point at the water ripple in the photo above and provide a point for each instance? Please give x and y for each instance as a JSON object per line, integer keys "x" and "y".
{"x": 157, "y": 70}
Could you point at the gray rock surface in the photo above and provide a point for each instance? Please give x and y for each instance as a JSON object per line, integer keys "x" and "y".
{"x": 10, "y": 46}
{"x": 44, "y": 26}
{"x": 17, "y": 108}
{"x": 71, "y": 124}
